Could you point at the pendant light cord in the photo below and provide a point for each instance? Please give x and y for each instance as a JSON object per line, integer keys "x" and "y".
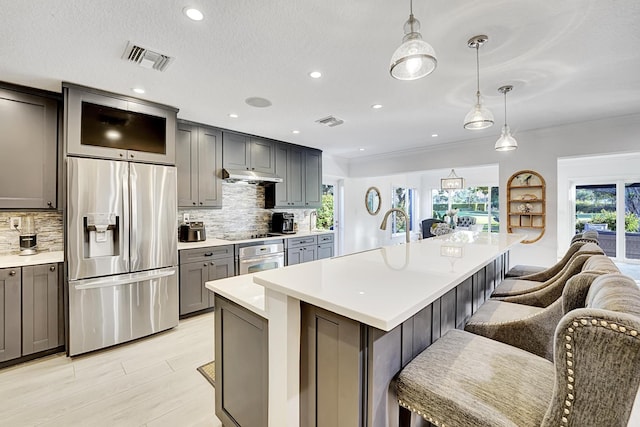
{"x": 505, "y": 107}
{"x": 478, "y": 71}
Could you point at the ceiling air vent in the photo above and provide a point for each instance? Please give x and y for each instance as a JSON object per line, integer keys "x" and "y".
{"x": 146, "y": 58}
{"x": 330, "y": 121}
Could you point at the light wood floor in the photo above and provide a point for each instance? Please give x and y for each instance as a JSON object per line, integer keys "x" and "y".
{"x": 152, "y": 382}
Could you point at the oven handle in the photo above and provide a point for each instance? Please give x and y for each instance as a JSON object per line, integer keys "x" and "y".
{"x": 277, "y": 255}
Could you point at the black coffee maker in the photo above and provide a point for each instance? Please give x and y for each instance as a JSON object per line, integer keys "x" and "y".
{"x": 282, "y": 222}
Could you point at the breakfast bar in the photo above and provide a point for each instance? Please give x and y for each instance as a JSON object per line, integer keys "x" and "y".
{"x": 336, "y": 331}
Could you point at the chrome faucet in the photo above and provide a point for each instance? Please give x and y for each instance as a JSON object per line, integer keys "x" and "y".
{"x": 383, "y": 226}
{"x": 312, "y": 222}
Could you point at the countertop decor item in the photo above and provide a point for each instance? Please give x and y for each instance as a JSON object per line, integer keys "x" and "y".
{"x": 372, "y": 200}
{"x": 479, "y": 117}
{"x": 415, "y": 58}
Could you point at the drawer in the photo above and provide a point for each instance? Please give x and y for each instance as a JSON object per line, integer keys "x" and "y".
{"x": 204, "y": 254}
{"x": 325, "y": 238}
{"x": 296, "y": 242}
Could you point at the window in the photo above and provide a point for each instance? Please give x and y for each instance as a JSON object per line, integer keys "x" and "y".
{"x": 478, "y": 202}
{"x": 403, "y": 198}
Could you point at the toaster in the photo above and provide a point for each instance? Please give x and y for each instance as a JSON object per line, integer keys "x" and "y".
{"x": 192, "y": 232}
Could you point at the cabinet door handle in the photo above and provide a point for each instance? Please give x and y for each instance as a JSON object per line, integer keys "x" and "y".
{"x": 205, "y": 264}
{"x": 132, "y": 156}
{"x": 200, "y": 202}
{"x": 209, "y": 254}
{"x": 50, "y": 204}
{"x": 212, "y": 263}
{"x": 12, "y": 273}
{"x": 194, "y": 203}
{"x": 121, "y": 155}
{"x": 52, "y": 268}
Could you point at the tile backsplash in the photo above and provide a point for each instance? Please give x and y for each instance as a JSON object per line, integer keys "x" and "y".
{"x": 242, "y": 213}
{"x": 48, "y": 228}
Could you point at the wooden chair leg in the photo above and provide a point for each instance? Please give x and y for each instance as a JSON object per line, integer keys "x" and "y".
{"x": 404, "y": 419}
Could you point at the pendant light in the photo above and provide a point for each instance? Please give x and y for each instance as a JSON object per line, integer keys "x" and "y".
{"x": 506, "y": 142}
{"x": 415, "y": 58}
{"x": 479, "y": 117}
{"x": 452, "y": 182}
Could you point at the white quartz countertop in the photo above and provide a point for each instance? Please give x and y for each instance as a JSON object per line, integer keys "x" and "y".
{"x": 384, "y": 287}
{"x": 242, "y": 290}
{"x": 8, "y": 261}
{"x": 223, "y": 242}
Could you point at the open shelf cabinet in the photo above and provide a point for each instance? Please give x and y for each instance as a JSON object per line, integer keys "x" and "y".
{"x": 526, "y": 205}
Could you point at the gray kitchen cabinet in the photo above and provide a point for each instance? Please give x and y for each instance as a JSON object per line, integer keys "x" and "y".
{"x": 40, "y": 308}
{"x": 301, "y": 170}
{"x": 325, "y": 246}
{"x": 247, "y": 153}
{"x": 313, "y": 178}
{"x": 199, "y": 165}
{"x": 301, "y": 249}
{"x": 10, "y": 313}
{"x": 28, "y": 143}
{"x": 198, "y": 266}
{"x": 242, "y": 356}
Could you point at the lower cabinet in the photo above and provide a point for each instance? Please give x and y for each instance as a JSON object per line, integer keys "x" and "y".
{"x": 242, "y": 365}
{"x": 325, "y": 246}
{"x": 198, "y": 266}
{"x": 31, "y": 310}
{"x": 301, "y": 249}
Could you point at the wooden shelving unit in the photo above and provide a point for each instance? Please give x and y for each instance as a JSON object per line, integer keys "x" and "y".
{"x": 526, "y": 204}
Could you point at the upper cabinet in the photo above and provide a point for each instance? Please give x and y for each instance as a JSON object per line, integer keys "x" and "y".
{"x": 301, "y": 171}
{"x": 199, "y": 164}
{"x": 105, "y": 125}
{"x": 248, "y": 153}
{"x": 28, "y": 143}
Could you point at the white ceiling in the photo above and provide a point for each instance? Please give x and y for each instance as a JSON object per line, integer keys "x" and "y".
{"x": 569, "y": 61}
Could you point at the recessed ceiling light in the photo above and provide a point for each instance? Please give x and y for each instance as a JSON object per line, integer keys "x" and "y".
{"x": 138, "y": 90}
{"x": 376, "y": 106}
{"x": 193, "y": 14}
{"x": 258, "y": 102}
{"x": 295, "y": 131}
{"x": 433, "y": 135}
{"x": 362, "y": 149}
{"x": 315, "y": 74}
{"x": 233, "y": 115}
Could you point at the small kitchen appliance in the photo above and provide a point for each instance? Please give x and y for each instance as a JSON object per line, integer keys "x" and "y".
{"x": 192, "y": 232}
{"x": 28, "y": 241}
{"x": 282, "y": 222}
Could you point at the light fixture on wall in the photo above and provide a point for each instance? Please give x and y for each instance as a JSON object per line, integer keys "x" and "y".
{"x": 506, "y": 142}
{"x": 415, "y": 58}
{"x": 479, "y": 117}
{"x": 452, "y": 182}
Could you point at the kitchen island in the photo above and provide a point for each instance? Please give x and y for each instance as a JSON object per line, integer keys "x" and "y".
{"x": 338, "y": 330}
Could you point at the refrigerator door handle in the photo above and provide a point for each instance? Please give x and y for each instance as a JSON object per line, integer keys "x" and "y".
{"x": 131, "y": 205}
{"x": 107, "y": 282}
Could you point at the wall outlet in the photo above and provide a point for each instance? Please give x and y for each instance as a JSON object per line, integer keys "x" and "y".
{"x": 185, "y": 218}
{"x": 15, "y": 222}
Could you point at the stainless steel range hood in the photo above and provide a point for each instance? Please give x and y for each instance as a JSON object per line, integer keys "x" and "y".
{"x": 235, "y": 175}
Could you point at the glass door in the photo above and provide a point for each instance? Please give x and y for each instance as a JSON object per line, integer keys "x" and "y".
{"x": 631, "y": 221}
{"x": 612, "y": 209}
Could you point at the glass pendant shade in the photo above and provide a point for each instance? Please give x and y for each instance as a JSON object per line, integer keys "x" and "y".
{"x": 506, "y": 142}
{"x": 479, "y": 117}
{"x": 415, "y": 58}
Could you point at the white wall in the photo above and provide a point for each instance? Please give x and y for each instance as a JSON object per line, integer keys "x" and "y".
{"x": 538, "y": 150}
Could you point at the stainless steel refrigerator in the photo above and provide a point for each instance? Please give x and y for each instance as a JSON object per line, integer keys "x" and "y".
{"x": 121, "y": 251}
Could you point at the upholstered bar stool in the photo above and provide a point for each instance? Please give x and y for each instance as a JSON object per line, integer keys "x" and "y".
{"x": 527, "y": 327}
{"x": 543, "y": 296}
{"x": 471, "y": 381}
{"x": 512, "y": 287}
{"x": 547, "y": 272}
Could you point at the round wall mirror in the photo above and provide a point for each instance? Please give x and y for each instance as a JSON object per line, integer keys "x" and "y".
{"x": 372, "y": 200}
